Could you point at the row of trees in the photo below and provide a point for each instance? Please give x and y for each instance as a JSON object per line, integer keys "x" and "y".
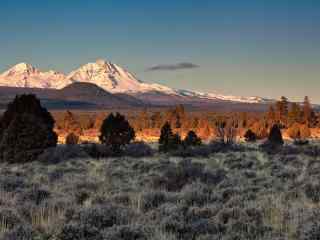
{"x": 287, "y": 113}
{"x": 26, "y": 129}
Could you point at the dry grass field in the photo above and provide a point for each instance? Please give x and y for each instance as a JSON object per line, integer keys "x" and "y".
{"x": 241, "y": 193}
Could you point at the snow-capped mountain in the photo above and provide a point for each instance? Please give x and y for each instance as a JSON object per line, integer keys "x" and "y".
{"x": 113, "y": 78}
{"x": 25, "y": 75}
{"x": 108, "y": 76}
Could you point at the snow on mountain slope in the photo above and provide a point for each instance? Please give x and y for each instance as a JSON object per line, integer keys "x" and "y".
{"x": 108, "y": 76}
{"x": 25, "y": 75}
{"x": 213, "y": 96}
{"x": 113, "y": 78}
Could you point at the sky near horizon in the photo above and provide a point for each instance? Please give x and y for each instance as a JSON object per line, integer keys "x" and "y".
{"x": 262, "y": 48}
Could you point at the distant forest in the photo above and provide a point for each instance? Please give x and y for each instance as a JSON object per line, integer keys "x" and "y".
{"x": 295, "y": 119}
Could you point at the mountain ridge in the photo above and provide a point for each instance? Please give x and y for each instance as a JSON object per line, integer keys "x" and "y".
{"x": 110, "y": 77}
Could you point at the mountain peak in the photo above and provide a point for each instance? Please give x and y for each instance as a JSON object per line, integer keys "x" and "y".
{"x": 21, "y": 68}
{"x": 101, "y": 62}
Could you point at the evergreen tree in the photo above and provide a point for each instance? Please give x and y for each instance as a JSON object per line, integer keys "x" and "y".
{"x": 309, "y": 116}
{"x": 168, "y": 141}
{"x": 26, "y": 130}
{"x": 275, "y": 136}
{"x": 25, "y": 104}
{"x": 192, "y": 139}
{"x": 25, "y": 138}
{"x": 250, "y": 136}
{"x": 282, "y": 110}
{"x": 294, "y": 113}
{"x": 116, "y": 132}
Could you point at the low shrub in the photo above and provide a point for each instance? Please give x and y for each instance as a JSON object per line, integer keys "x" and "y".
{"x": 98, "y": 151}
{"x": 103, "y": 216}
{"x": 79, "y": 232}
{"x": 9, "y": 219}
{"x": 152, "y": 199}
{"x": 312, "y": 192}
{"x": 138, "y": 149}
{"x": 185, "y": 172}
{"x": 21, "y": 232}
{"x": 62, "y": 153}
{"x": 192, "y": 151}
{"x": 127, "y": 232}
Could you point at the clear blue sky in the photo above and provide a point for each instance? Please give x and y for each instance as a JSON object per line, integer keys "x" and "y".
{"x": 243, "y": 47}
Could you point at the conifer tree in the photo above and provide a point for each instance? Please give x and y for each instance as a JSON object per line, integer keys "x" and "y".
{"x": 168, "y": 141}
{"x": 309, "y": 116}
{"x": 275, "y": 136}
{"x": 192, "y": 139}
{"x": 294, "y": 113}
{"x": 282, "y": 110}
{"x": 26, "y": 130}
{"x": 116, "y": 132}
{"x": 250, "y": 136}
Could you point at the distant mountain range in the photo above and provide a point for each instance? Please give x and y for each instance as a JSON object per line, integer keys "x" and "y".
{"x": 104, "y": 84}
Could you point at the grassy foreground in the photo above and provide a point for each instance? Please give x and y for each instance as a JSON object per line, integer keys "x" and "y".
{"x": 231, "y": 195}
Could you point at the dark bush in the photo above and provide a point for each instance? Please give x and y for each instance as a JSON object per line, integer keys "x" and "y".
{"x": 98, "y": 151}
{"x": 300, "y": 142}
{"x": 25, "y": 138}
{"x": 116, "y": 132}
{"x": 250, "y": 136}
{"x": 275, "y": 136}
{"x": 192, "y": 139}
{"x": 168, "y": 141}
{"x": 25, "y": 104}
{"x": 26, "y": 129}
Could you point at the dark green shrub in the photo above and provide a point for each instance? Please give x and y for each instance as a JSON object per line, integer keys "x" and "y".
{"x": 25, "y": 104}
{"x": 275, "y": 136}
{"x": 250, "y": 136}
{"x": 168, "y": 141}
{"x": 26, "y": 129}
{"x": 116, "y": 132}
{"x": 192, "y": 139}
{"x": 25, "y": 138}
